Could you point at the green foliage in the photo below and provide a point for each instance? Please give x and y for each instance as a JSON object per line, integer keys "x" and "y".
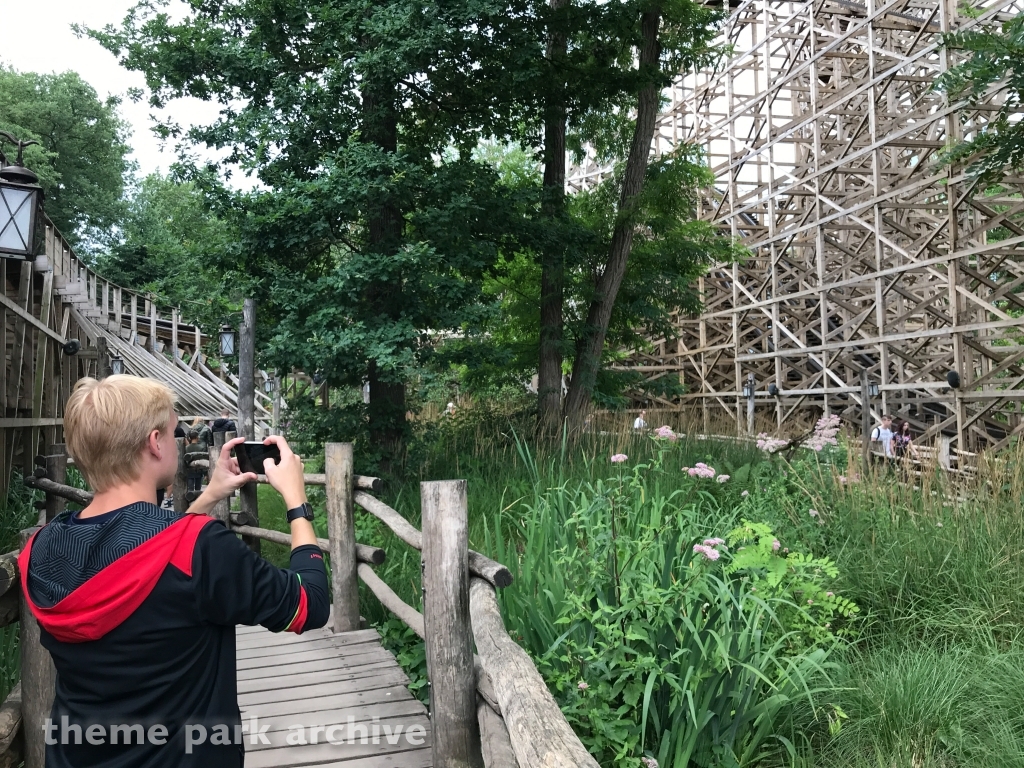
{"x": 171, "y": 245}
{"x": 82, "y": 160}
{"x": 995, "y": 59}
{"x": 653, "y": 648}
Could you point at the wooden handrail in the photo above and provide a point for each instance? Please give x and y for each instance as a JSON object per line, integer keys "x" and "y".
{"x": 480, "y": 565}
{"x": 364, "y": 552}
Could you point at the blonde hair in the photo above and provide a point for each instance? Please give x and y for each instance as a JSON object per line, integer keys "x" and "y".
{"x": 107, "y": 424}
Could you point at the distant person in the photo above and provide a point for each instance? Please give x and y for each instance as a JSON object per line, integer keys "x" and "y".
{"x": 138, "y": 605}
{"x": 883, "y": 434}
{"x": 205, "y": 433}
{"x": 224, "y": 423}
{"x": 903, "y": 442}
{"x": 449, "y": 409}
{"x": 640, "y": 422}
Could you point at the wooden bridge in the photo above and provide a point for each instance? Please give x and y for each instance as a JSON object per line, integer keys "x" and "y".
{"x": 334, "y": 696}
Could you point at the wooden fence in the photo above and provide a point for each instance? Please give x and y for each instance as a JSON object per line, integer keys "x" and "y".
{"x": 489, "y": 708}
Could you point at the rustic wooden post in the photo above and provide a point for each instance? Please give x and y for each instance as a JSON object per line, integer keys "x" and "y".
{"x": 102, "y": 358}
{"x": 865, "y": 421}
{"x": 449, "y": 634}
{"x": 750, "y": 404}
{"x": 276, "y": 422}
{"x": 249, "y": 506}
{"x": 37, "y": 680}
{"x": 222, "y": 509}
{"x": 56, "y": 470}
{"x": 342, "y": 533}
{"x": 180, "y": 479}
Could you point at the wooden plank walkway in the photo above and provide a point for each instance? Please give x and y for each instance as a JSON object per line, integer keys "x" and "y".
{"x": 345, "y": 691}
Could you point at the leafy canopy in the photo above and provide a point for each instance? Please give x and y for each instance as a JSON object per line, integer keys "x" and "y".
{"x": 82, "y": 158}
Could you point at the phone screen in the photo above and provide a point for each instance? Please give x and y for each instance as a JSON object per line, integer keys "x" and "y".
{"x": 251, "y": 455}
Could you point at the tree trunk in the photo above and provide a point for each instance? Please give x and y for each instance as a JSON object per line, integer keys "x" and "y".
{"x": 386, "y": 409}
{"x": 552, "y": 279}
{"x": 591, "y": 344}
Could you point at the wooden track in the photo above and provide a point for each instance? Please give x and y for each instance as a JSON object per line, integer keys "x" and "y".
{"x": 322, "y": 679}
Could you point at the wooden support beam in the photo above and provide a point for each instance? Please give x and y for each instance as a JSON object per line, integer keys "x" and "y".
{"x": 449, "y": 641}
{"x": 38, "y": 676}
{"x": 341, "y": 530}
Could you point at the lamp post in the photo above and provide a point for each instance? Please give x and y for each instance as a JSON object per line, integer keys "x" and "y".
{"x": 20, "y": 202}
{"x": 748, "y": 392}
{"x": 227, "y": 341}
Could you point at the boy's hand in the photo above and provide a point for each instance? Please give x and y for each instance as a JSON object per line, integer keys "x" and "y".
{"x": 287, "y": 476}
{"x": 226, "y": 479}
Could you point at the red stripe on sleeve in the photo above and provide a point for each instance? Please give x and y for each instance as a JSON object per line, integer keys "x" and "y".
{"x": 299, "y": 622}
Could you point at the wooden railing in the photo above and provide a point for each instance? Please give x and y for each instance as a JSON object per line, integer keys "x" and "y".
{"x": 491, "y": 708}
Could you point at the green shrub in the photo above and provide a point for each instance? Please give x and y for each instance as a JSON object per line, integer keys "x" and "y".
{"x": 652, "y": 632}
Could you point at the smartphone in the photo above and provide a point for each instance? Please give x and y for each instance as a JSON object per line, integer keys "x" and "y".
{"x": 251, "y": 454}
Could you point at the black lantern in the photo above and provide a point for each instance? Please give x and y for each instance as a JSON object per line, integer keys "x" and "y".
{"x": 268, "y": 386}
{"x": 953, "y": 379}
{"x": 227, "y": 341}
{"x": 20, "y": 200}
{"x": 773, "y": 390}
{"x": 873, "y": 390}
{"x": 116, "y": 365}
{"x": 748, "y": 390}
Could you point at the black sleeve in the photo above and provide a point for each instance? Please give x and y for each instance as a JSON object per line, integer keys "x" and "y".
{"x": 234, "y": 585}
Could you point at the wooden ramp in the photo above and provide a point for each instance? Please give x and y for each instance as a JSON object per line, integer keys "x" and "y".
{"x": 344, "y": 690}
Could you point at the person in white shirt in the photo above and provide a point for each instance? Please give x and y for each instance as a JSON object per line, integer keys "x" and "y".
{"x": 639, "y": 422}
{"x": 883, "y": 434}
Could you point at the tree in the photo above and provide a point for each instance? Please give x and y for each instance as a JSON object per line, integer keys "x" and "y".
{"x": 375, "y": 227}
{"x": 996, "y": 59}
{"x": 171, "y": 245}
{"x": 82, "y": 160}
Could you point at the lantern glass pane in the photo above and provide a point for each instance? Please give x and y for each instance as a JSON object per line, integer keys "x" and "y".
{"x": 16, "y": 219}
{"x": 227, "y": 344}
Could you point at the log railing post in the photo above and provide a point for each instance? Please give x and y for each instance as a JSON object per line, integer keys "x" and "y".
{"x": 56, "y": 470}
{"x": 222, "y": 509}
{"x": 247, "y": 494}
{"x": 342, "y": 533}
{"x": 37, "y": 680}
{"x": 102, "y": 357}
{"x": 179, "y": 489}
{"x": 449, "y": 634}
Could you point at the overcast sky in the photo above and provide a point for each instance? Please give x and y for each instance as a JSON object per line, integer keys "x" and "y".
{"x": 37, "y": 37}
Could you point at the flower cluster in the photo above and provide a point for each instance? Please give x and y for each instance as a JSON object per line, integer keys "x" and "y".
{"x": 710, "y": 553}
{"x": 710, "y": 548}
{"x": 770, "y": 444}
{"x": 665, "y": 433}
{"x": 700, "y": 470}
{"x": 722, "y": 478}
{"x": 649, "y": 762}
{"x": 618, "y": 458}
{"x": 825, "y": 432}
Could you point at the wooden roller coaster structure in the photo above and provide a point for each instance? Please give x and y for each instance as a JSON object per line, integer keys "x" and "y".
{"x": 878, "y": 277}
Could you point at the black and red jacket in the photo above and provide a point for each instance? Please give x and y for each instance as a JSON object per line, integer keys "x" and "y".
{"x": 138, "y": 609}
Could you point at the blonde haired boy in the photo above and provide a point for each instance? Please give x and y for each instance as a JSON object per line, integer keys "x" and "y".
{"x": 138, "y": 605}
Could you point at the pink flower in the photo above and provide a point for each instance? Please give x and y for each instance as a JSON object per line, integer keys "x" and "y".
{"x": 665, "y": 433}
{"x": 842, "y": 479}
{"x": 582, "y": 685}
{"x": 618, "y": 458}
{"x": 649, "y": 762}
{"x": 710, "y": 553}
{"x": 810, "y": 602}
{"x": 829, "y": 594}
{"x": 722, "y": 478}
{"x": 776, "y": 545}
{"x": 715, "y": 542}
{"x": 813, "y": 513}
{"x": 700, "y": 469}
{"x": 745, "y": 494}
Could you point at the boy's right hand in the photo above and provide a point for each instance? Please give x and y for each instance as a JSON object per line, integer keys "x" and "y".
{"x": 287, "y": 476}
